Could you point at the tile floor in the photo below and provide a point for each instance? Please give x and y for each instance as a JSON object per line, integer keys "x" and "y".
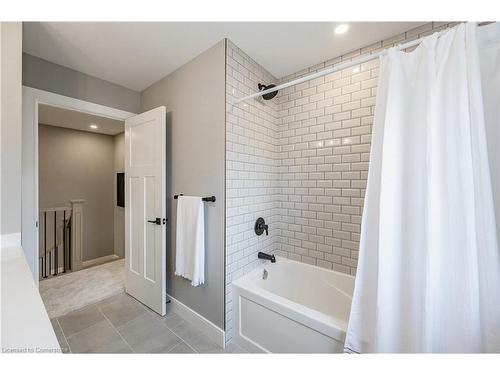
{"x": 74, "y": 290}
{"x": 121, "y": 324}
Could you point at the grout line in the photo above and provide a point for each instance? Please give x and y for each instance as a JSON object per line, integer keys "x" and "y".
{"x": 155, "y": 316}
{"x": 84, "y": 329}
{"x": 116, "y": 330}
{"x": 64, "y": 335}
{"x": 159, "y": 318}
{"x": 182, "y": 340}
{"x": 175, "y": 346}
{"x": 129, "y": 322}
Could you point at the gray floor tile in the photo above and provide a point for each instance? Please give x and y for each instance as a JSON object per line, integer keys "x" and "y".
{"x": 78, "y": 320}
{"x": 121, "y": 309}
{"x": 99, "y": 338}
{"x": 60, "y": 336}
{"x": 233, "y": 348}
{"x": 186, "y": 331}
{"x": 121, "y": 324}
{"x": 182, "y": 348}
{"x": 202, "y": 344}
{"x": 195, "y": 338}
{"x": 146, "y": 334}
{"x": 171, "y": 320}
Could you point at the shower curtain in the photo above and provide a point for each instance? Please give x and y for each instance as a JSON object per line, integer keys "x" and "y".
{"x": 428, "y": 276}
{"x": 489, "y": 57}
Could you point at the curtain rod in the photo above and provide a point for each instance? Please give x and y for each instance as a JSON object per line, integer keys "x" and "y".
{"x": 334, "y": 69}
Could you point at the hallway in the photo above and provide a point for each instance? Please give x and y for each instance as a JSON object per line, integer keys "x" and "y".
{"x": 72, "y": 291}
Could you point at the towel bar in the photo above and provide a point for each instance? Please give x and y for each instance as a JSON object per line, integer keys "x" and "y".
{"x": 204, "y": 199}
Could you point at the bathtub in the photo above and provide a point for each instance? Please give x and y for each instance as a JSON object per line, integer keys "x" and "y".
{"x": 291, "y": 307}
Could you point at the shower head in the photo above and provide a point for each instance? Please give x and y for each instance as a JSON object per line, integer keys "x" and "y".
{"x": 269, "y": 95}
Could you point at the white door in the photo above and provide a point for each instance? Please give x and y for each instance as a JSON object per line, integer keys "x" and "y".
{"x": 145, "y": 205}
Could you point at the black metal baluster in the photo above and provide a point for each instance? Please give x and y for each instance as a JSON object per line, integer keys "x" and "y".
{"x": 69, "y": 242}
{"x": 64, "y": 241}
{"x": 56, "y": 264}
{"x": 45, "y": 244}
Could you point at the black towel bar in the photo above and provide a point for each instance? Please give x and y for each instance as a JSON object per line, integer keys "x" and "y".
{"x": 204, "y": 199}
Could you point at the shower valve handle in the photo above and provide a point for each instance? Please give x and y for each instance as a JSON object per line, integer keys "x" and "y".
{"x": 261, "y": 226}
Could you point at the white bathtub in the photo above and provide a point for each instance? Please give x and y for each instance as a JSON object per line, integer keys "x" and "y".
{"x": 298, "y": 308}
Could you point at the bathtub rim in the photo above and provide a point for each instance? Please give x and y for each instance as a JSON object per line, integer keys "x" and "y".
{"x": 314, "y": 319}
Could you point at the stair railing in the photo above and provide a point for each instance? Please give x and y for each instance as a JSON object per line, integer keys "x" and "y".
{"x": 61, "y": 239}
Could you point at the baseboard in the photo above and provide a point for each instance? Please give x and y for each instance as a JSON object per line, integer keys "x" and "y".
{"x": 10, "y": 240}
{"x": 100, "y": 260}
{"x": 213, "y": 332}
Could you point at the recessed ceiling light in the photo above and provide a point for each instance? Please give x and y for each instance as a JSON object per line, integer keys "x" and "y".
{"x": 93, "y": 126}
{"x": 342, "y": 28}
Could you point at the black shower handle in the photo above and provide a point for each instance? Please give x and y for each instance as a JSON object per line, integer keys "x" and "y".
{"x": 260, "y": 227}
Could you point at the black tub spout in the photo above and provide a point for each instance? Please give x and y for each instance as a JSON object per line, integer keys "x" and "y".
{"x": 270, "y": 257}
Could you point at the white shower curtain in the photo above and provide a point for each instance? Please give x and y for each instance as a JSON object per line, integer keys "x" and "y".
{"x": 428, "y": 275}
{"x": 489, "y": 57}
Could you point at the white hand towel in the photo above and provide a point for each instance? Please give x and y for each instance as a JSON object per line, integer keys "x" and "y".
{"x": 190, "y": 240}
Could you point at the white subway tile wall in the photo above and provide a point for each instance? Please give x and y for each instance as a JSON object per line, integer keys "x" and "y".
{"x": 252, "y": 169}
{"x": 300, "y": 161}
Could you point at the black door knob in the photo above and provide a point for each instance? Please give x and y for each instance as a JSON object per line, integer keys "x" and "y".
{"x": 157, "y": 221}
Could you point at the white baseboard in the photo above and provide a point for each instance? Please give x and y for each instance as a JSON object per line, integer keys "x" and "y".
{"x": 214, "y": 333}
{"x": 100, "y": 260}
{"x": 10, "y": 240}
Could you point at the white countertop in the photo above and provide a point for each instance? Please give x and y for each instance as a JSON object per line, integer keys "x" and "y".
{"x": 25, "y": 325}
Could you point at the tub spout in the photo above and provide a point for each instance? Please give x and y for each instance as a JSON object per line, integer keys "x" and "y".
{"x": 270, "y": 257}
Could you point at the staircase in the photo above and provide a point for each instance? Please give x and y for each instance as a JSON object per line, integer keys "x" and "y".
{"x": 60, "y": 239}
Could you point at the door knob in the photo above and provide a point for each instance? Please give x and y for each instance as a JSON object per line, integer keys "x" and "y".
{"x": 157, "y": 221}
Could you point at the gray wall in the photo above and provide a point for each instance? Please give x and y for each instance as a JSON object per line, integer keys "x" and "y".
{"x": 11, "y": 127}
{"x": 44, "y": 75}
{"x": 195, "y": 99}
{"x": 119, "y": 212}
{"x": 75, "y": 164}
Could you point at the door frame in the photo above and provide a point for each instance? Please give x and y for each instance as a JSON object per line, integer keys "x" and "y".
{"x": 29, "y": 199}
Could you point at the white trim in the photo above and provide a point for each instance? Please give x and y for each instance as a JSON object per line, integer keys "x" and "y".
{"x": 30, "y": 206}
{"x": 76, "y": 201}
{"x": 214, "y": 333}
{"x": 10, "y": 240}
{"x": 66, "y": 102}
{"x": 100, "y": 260}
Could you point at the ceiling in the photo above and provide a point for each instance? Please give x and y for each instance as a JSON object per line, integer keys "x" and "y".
{"x": 137, "y": 54}
{"x": 66, "y": 118}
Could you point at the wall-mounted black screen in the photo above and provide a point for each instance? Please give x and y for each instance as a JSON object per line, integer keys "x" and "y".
{"x": 120, "y": 189}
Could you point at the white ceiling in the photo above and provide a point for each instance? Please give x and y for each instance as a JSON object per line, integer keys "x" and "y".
{"x": 66, "y": 118}
{"x": 137, "y": 54}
